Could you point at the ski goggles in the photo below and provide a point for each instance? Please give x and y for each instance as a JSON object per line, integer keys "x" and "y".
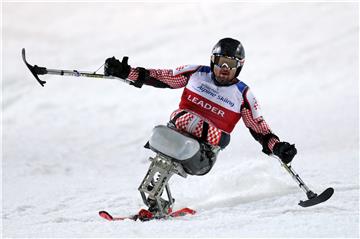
{"x": 229, "y": 62}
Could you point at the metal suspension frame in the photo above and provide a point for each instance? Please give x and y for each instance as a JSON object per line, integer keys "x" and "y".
{"x": 156, "y": 180}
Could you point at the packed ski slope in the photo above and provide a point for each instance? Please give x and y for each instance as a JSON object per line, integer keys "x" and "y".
{"x": 74, "y": 147}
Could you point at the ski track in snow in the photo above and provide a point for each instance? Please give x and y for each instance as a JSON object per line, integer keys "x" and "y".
{"x": 74, "y": 147}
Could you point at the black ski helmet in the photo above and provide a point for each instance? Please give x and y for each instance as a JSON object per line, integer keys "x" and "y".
{"x": 231, "y": 48}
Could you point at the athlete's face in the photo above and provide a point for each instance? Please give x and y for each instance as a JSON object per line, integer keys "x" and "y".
{"x": 225, "y": 68}
{"x": 224, "y": 74}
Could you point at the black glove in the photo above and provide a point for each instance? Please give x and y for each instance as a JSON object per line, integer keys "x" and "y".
{"x": 113, "y": 67}
{"x": 285, "y": 151}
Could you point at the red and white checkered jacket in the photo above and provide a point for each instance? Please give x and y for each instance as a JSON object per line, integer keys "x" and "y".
{"x": 220, "y": 107}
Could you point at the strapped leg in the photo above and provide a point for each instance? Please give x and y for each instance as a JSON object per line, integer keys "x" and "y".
{"x": 156, "y": 180}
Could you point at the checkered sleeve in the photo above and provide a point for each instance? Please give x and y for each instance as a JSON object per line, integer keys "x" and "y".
{"x": 258, "y": 125}
{"x": 162, "y": 76}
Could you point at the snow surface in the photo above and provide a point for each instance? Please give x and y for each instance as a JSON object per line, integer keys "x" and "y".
{"x": 74, "y": 147}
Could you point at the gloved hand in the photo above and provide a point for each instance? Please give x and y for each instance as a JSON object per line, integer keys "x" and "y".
{"x": 285, "y": 151}
{"x": 113, "y": 67}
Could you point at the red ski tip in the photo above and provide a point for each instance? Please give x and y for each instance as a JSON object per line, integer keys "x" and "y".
{"x": 182, "y": 212}
{"x": 106, "y": 215}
